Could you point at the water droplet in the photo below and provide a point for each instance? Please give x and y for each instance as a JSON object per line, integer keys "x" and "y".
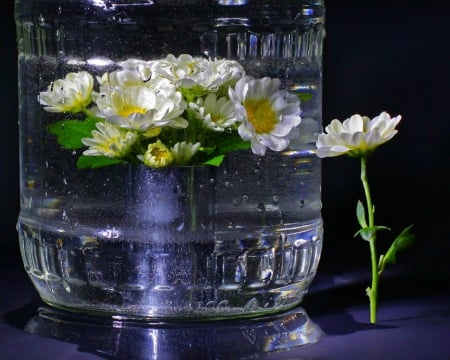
{"x": 275, "y": 199}
{"x": 65, "y": 181}
{"x": 211, "y": 181}
{"x": 261, "y": 207}
{"x": 59, "y": 10}
{"x": 41, "y": 20}
{"x": 244, "y": 199}
{"x": 227, "y": 184}
{"x": 301, "y": 203}
{"x": 236, "y": 201}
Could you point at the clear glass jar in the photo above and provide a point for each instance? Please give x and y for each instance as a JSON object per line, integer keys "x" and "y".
{"x": 198, "y": 195}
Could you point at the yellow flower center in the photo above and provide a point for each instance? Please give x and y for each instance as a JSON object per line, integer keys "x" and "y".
{"x": 129, "y": 110}
{"x": 159, "y": 154}
{"x": 261, "y": 115}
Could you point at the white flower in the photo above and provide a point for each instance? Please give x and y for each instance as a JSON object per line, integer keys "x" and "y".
{"x": 357, "y": 135}
{"x": 182, "y": 152}
{"x": 71, "y": 94}
{"x": 188, "y": 72}
{"x": 268, "y": 114}
{"x": 157, "y": 155}
{"x": 109, "y": 141}
{"x": 217, "y": 113}
{"x": 143, "y": 68}
{"x": 117, "y": 80}
{"x": 142, "y": 107}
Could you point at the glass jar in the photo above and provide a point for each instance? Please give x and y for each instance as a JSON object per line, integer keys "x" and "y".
{"x": 167, "y": 154}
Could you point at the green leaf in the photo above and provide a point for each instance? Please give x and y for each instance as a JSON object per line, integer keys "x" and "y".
{"x": 361, "y": 214}
{"x": 368, "y": 232}
{"x": 305, "y": 97}
{"x": 94, "y": 162}
{"x": 215, "y": 161}
{"x": 232, "y": 144}
{"x": 70, "y": 132}
{"x": 401, "y": 242}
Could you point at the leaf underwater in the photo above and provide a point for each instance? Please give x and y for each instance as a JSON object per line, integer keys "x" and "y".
{"x": 70, "y": 132}
{"x": 94, "y": 162}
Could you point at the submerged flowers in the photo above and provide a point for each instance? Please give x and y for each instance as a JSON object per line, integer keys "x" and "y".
{"x": 71, "y": 94}
{"x": 109, "y": 141}
{"x": 268, "y": 114}
{"x": 181, "y": 110}
{"x": 357, "y": 135}
{"x": 157, "y": 155}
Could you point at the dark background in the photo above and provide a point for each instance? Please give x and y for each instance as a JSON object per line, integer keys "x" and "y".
{"x": 379, "y": 55}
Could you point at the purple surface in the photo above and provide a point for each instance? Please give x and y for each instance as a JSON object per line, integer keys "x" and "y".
{"x": 408, "y": 328}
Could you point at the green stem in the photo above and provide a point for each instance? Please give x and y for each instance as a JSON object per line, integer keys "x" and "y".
{"x": 373, "y": 293}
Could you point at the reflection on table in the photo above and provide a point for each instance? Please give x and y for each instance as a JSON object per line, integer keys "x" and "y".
{"x": 118, "y": 339}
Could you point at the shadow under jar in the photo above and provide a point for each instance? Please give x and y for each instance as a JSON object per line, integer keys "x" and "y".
{"x": 198, "y": 193}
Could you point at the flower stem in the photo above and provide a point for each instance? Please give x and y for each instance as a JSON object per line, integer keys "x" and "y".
{"x": 373, "y": 292}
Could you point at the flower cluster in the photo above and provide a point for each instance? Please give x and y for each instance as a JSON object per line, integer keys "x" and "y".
{"x": 175, "y": 111}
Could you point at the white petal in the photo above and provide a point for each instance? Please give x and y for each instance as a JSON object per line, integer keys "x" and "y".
{"x": 258, "y": 148}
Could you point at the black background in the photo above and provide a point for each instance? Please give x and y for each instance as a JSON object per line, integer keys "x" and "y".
{"x": 379, "y": 55}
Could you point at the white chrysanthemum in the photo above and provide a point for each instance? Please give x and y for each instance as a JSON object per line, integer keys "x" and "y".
{"x": 117, "y": 80}
{"x": 228, "y": 72}
{"x": 268, "y": 114}
{"x": 71, "y": 94}
{"x": 182, "y": 152}
{"x": 157, "y": 155}
{"x": 217, "y": 113}
{"x": 357, "y": 135}
{"x": 188, "y": 72}
{"x": 141, "y": 108}
{"x": 109, "y": 141}
{"x": 143, "y": 68}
